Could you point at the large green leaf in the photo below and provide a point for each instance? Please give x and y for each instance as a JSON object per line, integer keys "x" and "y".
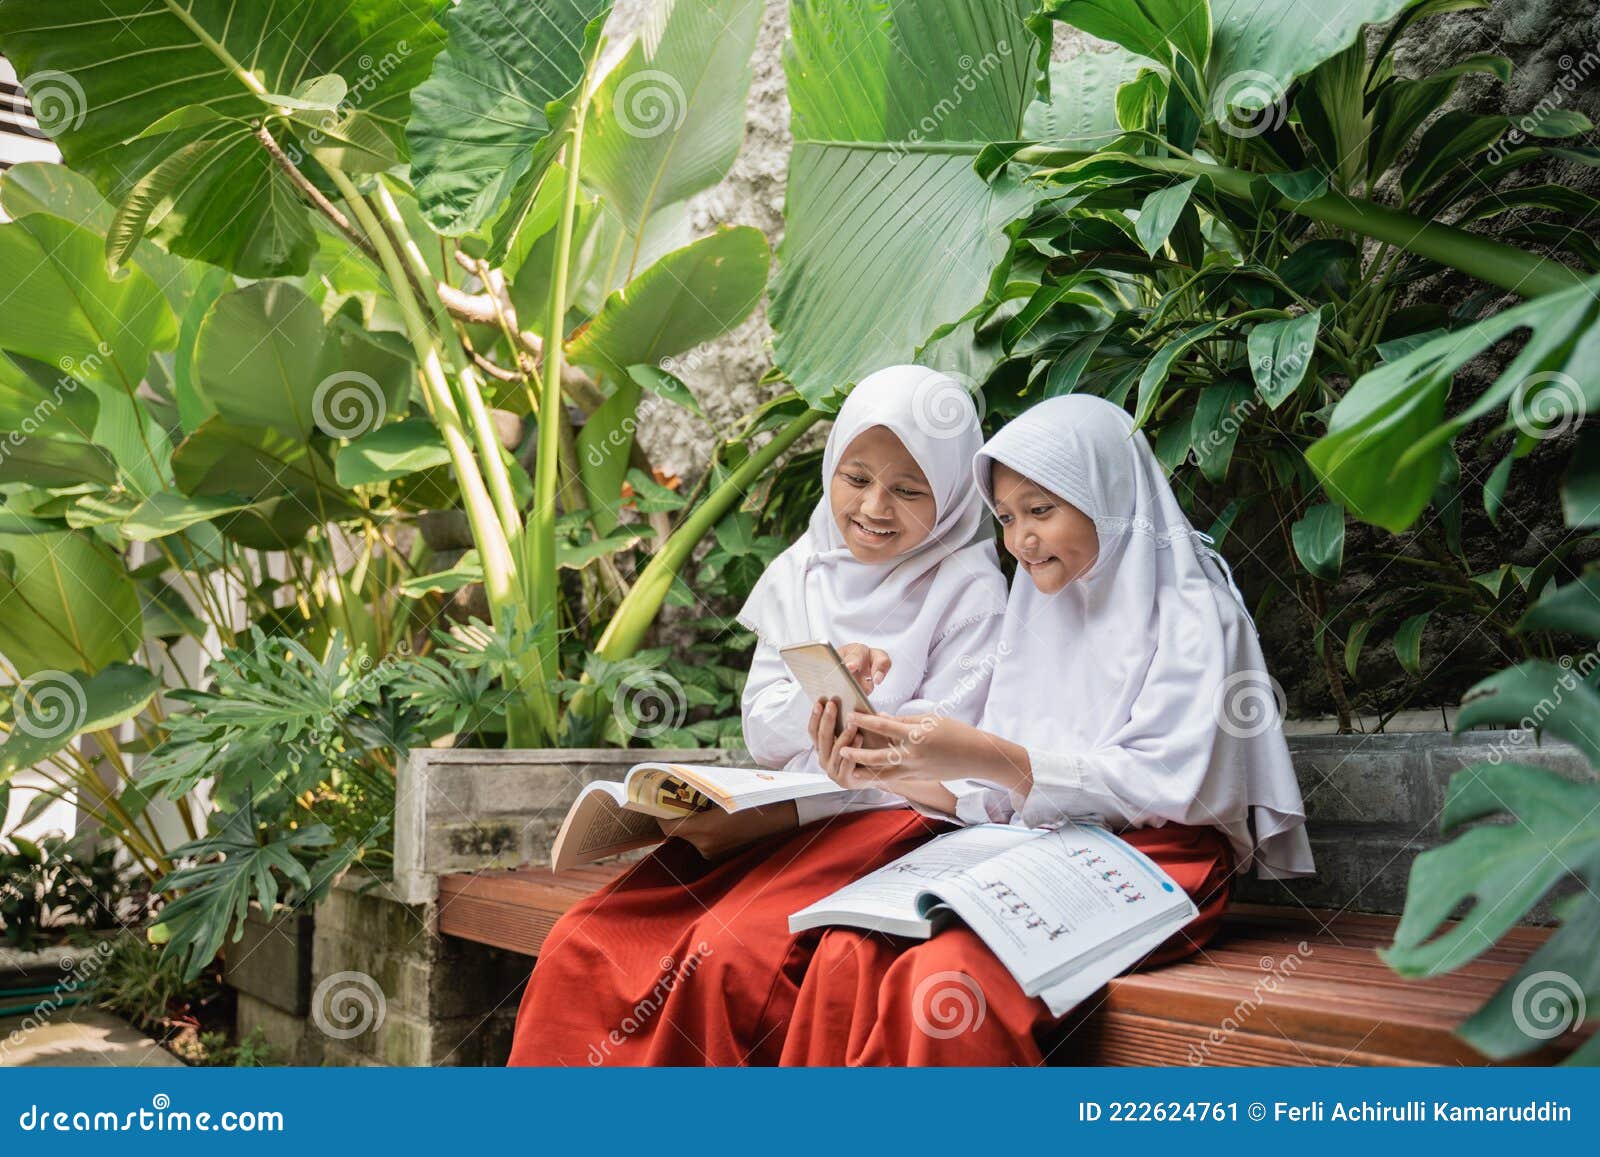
{"x": 264, "y": 358}
{"x": 284, "y": 485}
{"x": 668, "y": 120}
{"x": 66, "y": 603}
{"x": 487, "y": 120}
{"x": 688, "y": 297}
{"x": 118, "y": 67}
{"x": 53, "y": 708}
{"x": 1249, "y": 50}
{"x": 1082, "y": 108}
{"x": 1387, "y": 437}
{"x": 890, "y": 232}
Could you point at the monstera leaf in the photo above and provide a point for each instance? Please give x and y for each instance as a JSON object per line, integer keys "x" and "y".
{"x": 1503, "y": 869}
{"x": 159, "y": 95}
{"x": 890, "y": 231}
{"x": 486, "y": 122}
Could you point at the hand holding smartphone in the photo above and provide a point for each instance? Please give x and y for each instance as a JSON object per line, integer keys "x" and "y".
{"x": 822, "y": 674}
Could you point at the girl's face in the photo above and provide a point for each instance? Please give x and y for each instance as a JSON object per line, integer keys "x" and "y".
{"x": 1054, "y": 542}
{"x": 881, "y": 500}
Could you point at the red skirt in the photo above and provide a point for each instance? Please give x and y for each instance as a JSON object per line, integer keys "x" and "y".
{"x": 870, "y": 998}
{"x": 684, "y": 961}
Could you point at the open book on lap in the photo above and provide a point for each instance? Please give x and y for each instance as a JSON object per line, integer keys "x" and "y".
{"x": 1064, "y": 910}
{"x": 610, "y": 817}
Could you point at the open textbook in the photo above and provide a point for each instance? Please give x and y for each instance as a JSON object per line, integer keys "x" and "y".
{"x": 610, "y": 817}
{"x": 1064, "y": 910}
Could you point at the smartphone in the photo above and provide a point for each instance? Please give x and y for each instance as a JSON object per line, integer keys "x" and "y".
{"x": 823, "y": 675}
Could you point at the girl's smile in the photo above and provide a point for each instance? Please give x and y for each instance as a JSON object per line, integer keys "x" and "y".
{"x": 880, "y": 498}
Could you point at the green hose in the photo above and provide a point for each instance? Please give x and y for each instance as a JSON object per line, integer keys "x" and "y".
{"x": 19, "y": 1009}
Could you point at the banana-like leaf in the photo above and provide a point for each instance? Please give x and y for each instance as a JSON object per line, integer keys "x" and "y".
{"x": 390, "y": 452}
{"x": 107, "y": 71}
{"x": 890, "y": 231}
{"x": 668, "y": 120}
{"x": 53, "y": 708}
{"x": 1082, "y": 108}
{"x": 689, "y": 296}
{"x": 66, "y": 603}
{"x": 487, "y": 121}
{"x": 1388, "y": 437}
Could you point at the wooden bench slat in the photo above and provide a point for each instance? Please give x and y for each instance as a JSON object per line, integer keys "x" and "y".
{"x": 1339, "y": 1005}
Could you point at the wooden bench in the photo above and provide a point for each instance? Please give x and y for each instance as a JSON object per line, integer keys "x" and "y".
{"x": 1252, "y": 997}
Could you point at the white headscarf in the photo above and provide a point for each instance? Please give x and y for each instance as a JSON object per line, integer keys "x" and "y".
{"x": 1147, "y": 666}
{"x": 818, "y": 590}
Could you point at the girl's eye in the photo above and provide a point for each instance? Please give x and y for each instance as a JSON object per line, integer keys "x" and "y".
{"x": 1041, "y": 511}
{"x": 1004, "y": 519}
{"x": 855, "y": 480}
{"x": 913, "y": 495}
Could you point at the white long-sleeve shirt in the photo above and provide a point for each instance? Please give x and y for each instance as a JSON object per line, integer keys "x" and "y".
{"x": 777, "y": 715}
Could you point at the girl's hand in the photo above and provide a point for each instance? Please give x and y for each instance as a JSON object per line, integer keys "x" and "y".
{"x": 924, "y": 747}
{"x": 714, "y": 832}
{"x": 824, "y": 723}
{"x": 868, "y": 665}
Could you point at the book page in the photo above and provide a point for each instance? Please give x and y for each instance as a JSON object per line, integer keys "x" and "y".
{"x": 1063, "y": 898}
{"x": 737, "y": 788}
{"x": 600, "y": 825}
{"x": 890, "y": 894}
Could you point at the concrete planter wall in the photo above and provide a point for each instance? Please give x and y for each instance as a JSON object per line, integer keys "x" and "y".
{"x": 270, "y": 969}
{"x": 387, "y": 988}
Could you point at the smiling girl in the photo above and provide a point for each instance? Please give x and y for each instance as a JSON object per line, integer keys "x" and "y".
{"x": 1130, "y": 691}
{"x": 687, "y": 959}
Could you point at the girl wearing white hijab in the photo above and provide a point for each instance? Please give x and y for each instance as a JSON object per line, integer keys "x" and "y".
{"x": 1129, "y": 690}
{"x": 898, "y": 570}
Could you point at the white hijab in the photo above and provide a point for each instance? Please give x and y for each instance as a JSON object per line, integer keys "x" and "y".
{"x": 1147, "y": 665}
{"x": 818, "y": 590}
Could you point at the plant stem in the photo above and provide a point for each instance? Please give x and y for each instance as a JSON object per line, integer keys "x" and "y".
{"x": 493, "y": 547}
